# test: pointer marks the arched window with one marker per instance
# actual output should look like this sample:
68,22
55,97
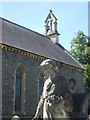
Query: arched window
19,89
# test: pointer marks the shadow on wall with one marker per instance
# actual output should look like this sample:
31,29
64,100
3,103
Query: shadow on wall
89,102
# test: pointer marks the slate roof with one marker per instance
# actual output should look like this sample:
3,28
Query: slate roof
23,38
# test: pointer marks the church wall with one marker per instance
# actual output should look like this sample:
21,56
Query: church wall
80,109
10,61
78,76
0,83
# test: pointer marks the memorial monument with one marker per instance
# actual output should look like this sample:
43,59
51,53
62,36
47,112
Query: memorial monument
56,100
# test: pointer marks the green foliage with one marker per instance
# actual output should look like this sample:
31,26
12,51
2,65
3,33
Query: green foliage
88,74
80,49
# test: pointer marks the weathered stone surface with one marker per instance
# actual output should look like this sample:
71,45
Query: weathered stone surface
15,117
0,83
56,100
10,61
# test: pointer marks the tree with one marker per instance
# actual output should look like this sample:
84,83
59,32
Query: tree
80,49
88,63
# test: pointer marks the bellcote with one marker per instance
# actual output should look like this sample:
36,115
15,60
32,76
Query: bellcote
51,27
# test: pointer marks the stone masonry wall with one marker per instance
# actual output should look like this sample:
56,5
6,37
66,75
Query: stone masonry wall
10,61
78,76
0,83
80,97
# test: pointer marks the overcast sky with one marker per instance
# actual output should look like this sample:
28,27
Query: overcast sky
72,17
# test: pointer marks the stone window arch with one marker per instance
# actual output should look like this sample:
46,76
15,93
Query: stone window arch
72,84
19,89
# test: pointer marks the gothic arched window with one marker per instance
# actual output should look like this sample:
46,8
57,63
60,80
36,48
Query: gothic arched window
19,89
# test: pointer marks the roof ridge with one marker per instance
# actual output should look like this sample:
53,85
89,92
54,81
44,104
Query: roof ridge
23,27
44,47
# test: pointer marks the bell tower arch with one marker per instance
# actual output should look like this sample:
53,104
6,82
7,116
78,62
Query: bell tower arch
51,27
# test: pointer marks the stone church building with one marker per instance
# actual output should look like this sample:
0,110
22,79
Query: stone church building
21,52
